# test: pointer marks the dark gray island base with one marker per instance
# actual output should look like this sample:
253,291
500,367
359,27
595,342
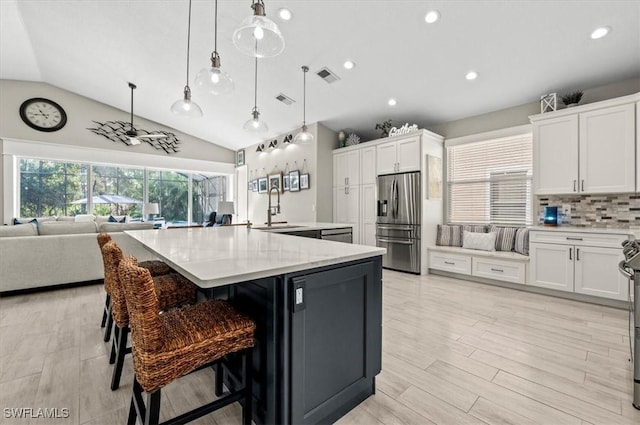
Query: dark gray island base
318,341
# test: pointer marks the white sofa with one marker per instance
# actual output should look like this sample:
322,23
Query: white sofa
42,260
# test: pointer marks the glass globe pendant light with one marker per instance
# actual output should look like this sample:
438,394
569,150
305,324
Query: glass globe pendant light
214,80
254,124
185,107
305,136
258,28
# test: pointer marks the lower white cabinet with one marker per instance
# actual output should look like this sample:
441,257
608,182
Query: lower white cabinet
346,204
491,268
446,261
504,266
574,262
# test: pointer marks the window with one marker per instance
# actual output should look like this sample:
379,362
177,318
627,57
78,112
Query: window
170,189
207,192
489,182
117,190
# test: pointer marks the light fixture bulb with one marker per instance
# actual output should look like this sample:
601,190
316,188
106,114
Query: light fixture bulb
432,17
258,35
185,107
213,79
304,137
285,14
349,65
392,102
600,32
255,124
471,75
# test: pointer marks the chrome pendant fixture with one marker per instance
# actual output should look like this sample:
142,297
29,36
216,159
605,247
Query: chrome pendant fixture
214,80
185,107
259,29
255,124
304,137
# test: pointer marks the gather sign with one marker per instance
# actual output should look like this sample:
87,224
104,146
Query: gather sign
403,130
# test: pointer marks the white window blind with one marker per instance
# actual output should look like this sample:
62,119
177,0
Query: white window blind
489,182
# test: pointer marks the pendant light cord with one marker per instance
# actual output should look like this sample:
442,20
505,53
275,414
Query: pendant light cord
215,38
304,95
255,98
188,42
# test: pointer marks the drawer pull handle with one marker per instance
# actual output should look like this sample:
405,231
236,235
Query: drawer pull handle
450,263
570,251
497,270
578,254
573,239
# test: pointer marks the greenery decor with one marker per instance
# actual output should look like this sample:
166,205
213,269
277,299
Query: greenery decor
384,127
572,98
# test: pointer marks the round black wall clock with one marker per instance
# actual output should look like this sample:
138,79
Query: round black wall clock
43,114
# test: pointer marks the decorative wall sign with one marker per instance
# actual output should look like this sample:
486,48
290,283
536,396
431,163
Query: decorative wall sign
294,181
406,128
116,131
240,157
262,185
434,177
548,103
304,181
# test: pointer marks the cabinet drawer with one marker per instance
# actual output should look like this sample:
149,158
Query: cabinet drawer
500,270
605,240
450,262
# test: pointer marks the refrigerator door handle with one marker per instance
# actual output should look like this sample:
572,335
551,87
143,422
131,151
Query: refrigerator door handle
395,227
401,242
395,199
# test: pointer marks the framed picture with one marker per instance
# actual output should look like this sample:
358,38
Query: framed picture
285,182
250,185
254,185
275,180
434,177
304,181
262,185
294,181
240,157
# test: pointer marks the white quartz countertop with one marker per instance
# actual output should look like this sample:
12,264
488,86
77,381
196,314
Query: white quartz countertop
301,226
583,229
216,256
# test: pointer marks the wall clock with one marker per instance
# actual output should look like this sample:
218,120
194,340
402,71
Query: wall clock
43,114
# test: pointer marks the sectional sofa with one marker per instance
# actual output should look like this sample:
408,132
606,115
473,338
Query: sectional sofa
49,252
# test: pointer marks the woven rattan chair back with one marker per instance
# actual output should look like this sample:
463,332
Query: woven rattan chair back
142,304
112,256
103,238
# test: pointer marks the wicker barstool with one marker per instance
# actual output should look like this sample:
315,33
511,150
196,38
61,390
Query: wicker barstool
157,268
173,290
170,345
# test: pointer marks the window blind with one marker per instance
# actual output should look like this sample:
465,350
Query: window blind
489,182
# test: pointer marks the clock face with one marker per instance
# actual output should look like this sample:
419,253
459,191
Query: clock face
43,114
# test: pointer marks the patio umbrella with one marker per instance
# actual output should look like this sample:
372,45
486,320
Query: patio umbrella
109,199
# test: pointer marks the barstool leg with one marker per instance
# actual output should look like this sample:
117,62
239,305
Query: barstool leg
104,311
153,408
107,331
112,355
121,351
218,379
247,366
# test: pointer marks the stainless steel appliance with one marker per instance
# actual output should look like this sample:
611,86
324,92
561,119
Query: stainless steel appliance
398,222
337,235
630,267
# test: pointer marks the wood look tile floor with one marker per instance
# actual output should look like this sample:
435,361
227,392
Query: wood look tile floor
454,352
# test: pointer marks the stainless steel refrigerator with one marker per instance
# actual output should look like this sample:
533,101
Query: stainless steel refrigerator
398,223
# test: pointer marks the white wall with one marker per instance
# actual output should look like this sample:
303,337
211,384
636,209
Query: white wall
314,204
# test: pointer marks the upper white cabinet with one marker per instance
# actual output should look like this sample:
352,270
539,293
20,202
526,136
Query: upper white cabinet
346,168
589,149
399,156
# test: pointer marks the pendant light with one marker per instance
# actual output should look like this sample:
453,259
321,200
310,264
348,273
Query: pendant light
213,79
258,28
305,136
254,124
185,107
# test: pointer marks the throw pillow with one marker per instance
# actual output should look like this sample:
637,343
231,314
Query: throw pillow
478,228
449,235
505,238
481,241
522,241
113,219
84,217
33,221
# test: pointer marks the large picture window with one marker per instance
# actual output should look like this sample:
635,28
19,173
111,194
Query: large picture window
489,182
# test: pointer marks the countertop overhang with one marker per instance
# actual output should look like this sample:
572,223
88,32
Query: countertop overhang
217,256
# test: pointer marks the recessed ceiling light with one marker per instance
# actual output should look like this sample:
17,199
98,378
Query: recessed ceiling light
432,16
285,14
349,65
392,102
471,75
600,32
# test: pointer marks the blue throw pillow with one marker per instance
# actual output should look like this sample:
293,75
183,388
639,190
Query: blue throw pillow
112,219
32,221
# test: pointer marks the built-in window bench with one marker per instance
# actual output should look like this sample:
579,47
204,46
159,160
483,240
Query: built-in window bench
496,265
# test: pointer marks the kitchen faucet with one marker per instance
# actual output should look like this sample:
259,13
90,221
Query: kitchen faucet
277,208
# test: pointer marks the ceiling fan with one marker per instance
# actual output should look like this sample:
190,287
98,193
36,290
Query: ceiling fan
134,135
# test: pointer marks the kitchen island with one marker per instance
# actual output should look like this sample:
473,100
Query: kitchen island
317,305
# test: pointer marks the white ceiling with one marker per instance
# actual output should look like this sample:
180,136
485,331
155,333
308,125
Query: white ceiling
521,49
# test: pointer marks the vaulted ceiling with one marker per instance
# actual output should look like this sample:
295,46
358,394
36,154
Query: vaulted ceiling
520,50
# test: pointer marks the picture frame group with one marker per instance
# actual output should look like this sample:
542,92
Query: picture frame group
292,181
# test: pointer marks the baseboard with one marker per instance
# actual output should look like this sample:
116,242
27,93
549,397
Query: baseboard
50,287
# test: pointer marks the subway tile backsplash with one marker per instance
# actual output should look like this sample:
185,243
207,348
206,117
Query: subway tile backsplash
602,210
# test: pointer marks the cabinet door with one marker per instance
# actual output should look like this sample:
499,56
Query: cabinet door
555,155
597,272
386,158
368,215
353,210
368,165
408,154
552,266
340,205
607,150
346,168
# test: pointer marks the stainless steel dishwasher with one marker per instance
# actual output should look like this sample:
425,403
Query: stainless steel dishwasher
337,235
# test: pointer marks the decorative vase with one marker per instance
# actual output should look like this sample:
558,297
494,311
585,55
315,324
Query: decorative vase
342,136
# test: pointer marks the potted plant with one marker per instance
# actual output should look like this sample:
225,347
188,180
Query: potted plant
384,127
572,99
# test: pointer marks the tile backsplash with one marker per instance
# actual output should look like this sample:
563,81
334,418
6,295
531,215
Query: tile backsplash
602,210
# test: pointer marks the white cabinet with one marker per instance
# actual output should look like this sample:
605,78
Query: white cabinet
368,214
584,263
399,156
346,203
589,150
346,168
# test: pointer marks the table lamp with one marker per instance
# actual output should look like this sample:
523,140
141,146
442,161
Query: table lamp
151,209
226,209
